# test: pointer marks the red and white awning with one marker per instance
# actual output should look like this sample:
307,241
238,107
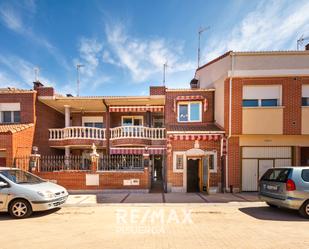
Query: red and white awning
191,98
193,137
136,108
137,151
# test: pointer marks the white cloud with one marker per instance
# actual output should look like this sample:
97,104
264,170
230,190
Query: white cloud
273,25
11,19
143,58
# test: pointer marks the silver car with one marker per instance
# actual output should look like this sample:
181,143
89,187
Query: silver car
22,193
286,187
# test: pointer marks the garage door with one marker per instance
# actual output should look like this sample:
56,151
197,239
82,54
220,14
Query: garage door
257,160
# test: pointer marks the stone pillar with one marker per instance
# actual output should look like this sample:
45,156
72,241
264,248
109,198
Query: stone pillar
67,115
67,157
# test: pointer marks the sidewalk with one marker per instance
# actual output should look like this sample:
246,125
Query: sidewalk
92,199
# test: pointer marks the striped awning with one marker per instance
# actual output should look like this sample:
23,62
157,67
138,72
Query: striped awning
191,98
193,137
137,151
136,108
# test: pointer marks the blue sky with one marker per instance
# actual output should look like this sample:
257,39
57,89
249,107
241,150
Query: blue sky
124,43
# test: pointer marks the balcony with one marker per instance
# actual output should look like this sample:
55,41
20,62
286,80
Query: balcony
76,135
138,135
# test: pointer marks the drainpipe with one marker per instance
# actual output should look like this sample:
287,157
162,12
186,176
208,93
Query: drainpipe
230,118
107,126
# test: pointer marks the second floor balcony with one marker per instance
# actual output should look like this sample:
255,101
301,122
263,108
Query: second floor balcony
138,132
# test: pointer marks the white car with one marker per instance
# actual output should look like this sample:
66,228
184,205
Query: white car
22,193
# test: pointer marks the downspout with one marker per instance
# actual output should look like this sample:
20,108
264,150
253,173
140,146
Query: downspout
230,118
107,126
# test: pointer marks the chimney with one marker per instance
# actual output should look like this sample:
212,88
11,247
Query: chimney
194,83
307,47
37,84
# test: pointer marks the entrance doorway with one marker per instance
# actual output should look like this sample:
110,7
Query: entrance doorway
193,178
157,174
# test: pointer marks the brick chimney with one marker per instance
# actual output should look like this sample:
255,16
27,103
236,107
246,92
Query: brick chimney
307,47
37,84
43,90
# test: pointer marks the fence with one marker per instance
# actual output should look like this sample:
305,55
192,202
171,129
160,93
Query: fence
50,163
120,162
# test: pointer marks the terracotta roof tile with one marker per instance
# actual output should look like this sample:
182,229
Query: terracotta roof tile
191,127
12,128
14,90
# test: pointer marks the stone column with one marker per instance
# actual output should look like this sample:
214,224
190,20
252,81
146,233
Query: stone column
94,159
67,112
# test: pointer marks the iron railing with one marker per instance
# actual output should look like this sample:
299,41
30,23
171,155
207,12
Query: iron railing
121,163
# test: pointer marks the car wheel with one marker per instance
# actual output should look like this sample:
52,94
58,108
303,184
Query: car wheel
271,205
20,208
304,210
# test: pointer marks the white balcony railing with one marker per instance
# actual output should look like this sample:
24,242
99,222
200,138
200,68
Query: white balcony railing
76,132
137,132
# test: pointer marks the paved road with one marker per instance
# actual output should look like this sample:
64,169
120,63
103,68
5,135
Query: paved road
199,225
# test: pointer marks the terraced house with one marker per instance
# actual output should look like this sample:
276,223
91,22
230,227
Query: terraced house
167,140
261,100
244,112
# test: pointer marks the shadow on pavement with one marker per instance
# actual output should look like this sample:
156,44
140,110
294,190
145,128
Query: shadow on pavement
275,214
6,216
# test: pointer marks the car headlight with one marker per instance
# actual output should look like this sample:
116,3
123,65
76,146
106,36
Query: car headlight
46,194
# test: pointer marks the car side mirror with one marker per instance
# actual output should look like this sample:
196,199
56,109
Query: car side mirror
3,185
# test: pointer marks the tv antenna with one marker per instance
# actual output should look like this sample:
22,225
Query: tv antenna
36,74
301,40
78,66
200,31
165,65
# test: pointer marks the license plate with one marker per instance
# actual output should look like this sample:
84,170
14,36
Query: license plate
272,188
58,203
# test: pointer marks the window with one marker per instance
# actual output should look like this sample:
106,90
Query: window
305,101
263,95
305,95
10,116
276,175
250,102
269,102
305,175
132,120
94,124
190,112
211,158
178,161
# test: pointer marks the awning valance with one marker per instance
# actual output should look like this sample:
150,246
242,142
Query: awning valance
194,137
136,108
191,98
137,151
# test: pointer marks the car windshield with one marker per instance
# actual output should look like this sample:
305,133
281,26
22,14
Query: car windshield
20,177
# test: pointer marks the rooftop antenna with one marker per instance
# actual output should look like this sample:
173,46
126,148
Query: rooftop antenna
200,31
78,66
301,40
165,65
36,74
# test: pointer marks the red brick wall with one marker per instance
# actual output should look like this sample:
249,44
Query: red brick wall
27,104
23,142
171,115
157,90
291,100
107,180
234,171
176,179
45,91
6,141
47,118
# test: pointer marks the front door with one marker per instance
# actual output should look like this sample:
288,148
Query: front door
193,175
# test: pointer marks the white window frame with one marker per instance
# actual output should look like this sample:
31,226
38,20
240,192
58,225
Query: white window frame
132,118
215,154
188,103
183,153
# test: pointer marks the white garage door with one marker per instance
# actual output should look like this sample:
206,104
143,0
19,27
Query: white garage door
257,160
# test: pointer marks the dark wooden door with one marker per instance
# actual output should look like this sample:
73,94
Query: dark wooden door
192,175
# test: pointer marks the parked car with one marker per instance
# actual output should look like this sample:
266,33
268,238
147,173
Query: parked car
22,193
286,187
